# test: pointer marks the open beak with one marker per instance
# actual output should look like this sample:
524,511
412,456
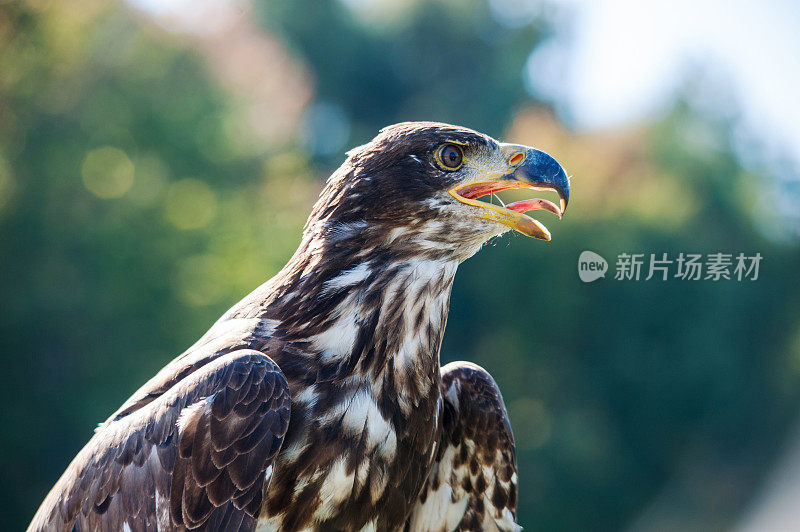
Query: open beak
529,169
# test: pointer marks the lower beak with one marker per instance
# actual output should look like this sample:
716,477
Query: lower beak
536,171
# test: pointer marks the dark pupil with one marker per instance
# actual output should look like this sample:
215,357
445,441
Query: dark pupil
451,156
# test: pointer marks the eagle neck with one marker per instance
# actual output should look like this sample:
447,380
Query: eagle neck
373,315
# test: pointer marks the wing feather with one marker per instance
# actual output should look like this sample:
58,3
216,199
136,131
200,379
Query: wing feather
197,454
473,482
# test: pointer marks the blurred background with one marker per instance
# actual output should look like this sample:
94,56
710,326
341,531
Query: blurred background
158,159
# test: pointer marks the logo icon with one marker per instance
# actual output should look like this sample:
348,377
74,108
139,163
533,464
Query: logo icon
591,266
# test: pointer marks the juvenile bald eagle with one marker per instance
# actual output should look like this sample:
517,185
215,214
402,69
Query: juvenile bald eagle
317,402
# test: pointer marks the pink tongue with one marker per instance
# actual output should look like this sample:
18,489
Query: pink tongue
534,204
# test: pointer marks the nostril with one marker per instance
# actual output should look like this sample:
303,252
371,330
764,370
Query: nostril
516,159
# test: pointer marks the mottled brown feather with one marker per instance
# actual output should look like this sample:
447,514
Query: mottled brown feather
113,481
475,458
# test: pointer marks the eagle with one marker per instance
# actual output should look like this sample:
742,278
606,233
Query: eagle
318,401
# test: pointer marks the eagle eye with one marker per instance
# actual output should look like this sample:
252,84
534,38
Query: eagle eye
450,157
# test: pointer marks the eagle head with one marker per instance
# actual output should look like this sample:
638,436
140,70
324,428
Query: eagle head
419,183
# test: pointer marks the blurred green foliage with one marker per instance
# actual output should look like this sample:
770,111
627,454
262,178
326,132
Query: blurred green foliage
132,214
431,61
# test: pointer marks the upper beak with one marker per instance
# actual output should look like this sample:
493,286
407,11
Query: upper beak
543,173
529,169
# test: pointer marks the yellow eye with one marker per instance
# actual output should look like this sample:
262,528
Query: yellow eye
450,157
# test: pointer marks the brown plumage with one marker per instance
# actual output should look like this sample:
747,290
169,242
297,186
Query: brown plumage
317,402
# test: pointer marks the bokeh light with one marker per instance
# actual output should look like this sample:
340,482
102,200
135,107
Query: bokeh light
190,204
107,172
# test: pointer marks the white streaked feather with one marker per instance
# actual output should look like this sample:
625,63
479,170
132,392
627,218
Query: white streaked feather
369,527
348,278
337,486
439,511
187,412
362,414
337,340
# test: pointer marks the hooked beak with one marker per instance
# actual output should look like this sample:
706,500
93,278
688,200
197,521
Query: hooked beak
529,169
